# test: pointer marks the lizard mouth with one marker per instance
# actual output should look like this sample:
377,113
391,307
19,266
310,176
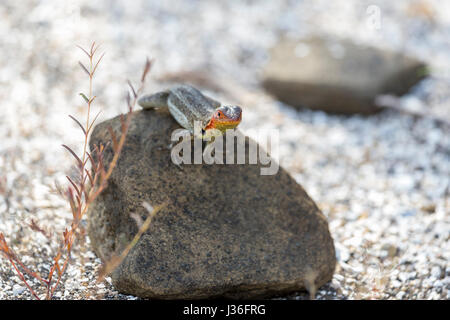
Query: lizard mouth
226,117
231,117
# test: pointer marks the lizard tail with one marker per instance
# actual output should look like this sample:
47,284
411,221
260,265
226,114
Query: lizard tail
157,100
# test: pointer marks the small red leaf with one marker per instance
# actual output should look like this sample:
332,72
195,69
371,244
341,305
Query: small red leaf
148,65
83,50
78,122
132,89
80,163
84,68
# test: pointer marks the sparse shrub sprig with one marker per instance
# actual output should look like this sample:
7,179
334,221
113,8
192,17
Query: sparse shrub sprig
92,178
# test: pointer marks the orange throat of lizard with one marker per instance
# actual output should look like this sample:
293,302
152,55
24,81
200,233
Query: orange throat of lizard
226,117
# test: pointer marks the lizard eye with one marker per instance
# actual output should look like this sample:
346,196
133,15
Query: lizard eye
219,114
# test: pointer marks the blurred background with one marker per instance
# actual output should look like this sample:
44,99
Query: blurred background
360,92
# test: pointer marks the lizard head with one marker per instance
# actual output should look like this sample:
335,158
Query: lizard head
225,117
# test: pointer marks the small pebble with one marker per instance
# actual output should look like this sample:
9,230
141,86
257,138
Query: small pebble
436,272
17,289
400,295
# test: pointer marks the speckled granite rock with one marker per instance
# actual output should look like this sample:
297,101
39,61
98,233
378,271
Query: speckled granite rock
227,231
337,76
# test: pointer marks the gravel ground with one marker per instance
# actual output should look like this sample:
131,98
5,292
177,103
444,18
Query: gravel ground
382,181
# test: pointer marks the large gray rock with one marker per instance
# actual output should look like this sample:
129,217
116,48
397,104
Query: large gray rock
227,230
337,76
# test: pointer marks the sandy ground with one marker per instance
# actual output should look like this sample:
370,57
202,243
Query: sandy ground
382,181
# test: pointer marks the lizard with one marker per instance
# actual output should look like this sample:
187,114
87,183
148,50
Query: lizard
186,104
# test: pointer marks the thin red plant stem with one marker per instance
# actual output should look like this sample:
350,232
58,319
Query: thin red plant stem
80,212
22,277
95,192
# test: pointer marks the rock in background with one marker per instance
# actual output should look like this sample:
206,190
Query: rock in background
337,76
226,231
